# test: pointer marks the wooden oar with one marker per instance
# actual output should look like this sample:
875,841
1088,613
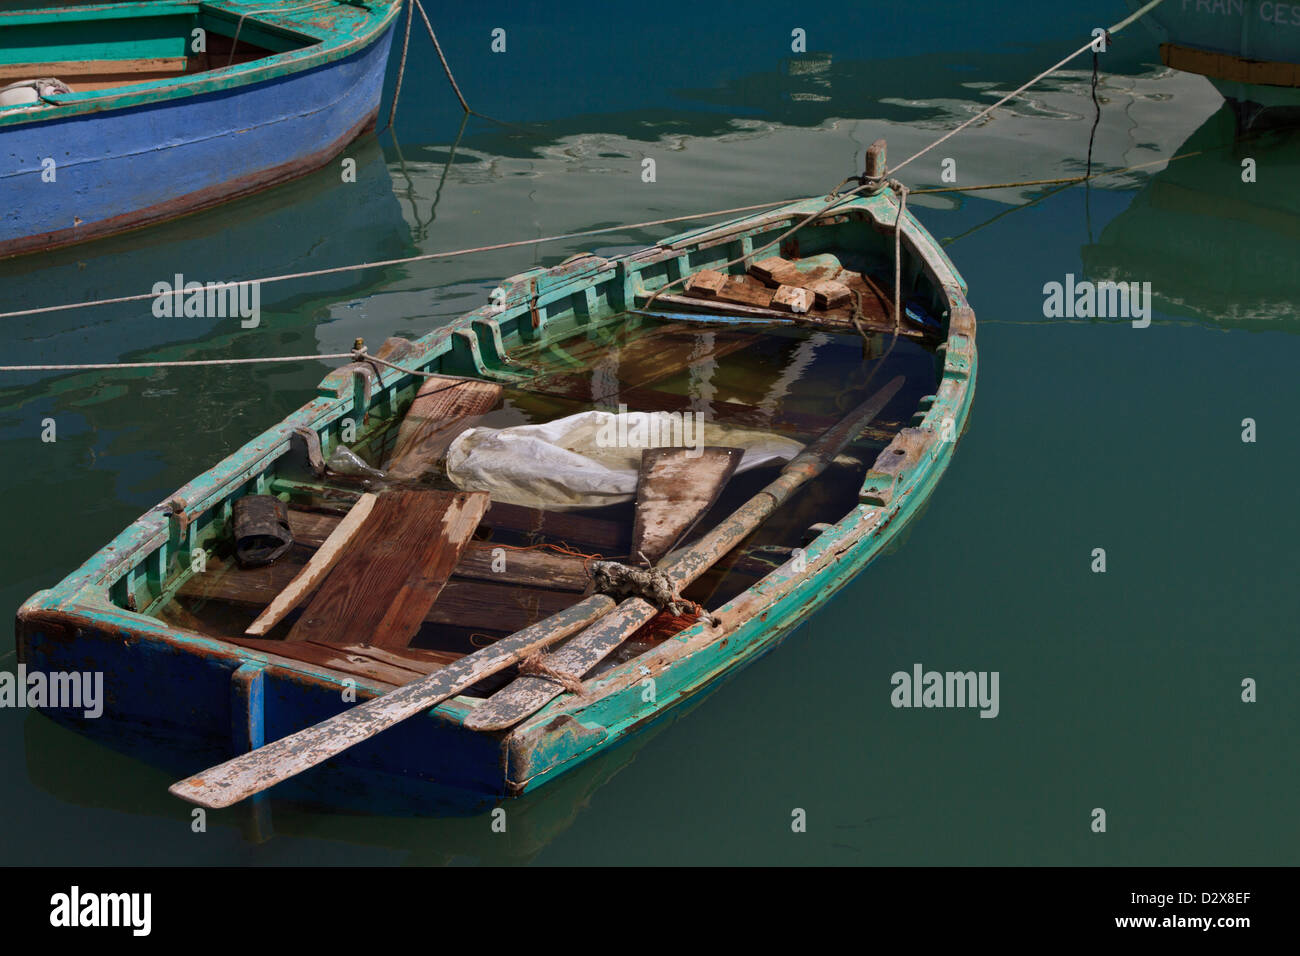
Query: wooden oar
255,771
526,695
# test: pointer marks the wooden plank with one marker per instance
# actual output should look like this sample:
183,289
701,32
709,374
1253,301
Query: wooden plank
477,604
443,408
789,298
479,560
328,555
357,660
591,535
706,282
646,360
674,487
385,585
829,294
121,71
743,292
775,270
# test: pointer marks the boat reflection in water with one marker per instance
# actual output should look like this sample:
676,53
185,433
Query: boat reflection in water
1217,248
317,222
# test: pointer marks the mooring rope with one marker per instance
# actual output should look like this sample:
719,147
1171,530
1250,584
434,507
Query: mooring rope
455,87
1090,45
252,13
405,260
173,364
401,67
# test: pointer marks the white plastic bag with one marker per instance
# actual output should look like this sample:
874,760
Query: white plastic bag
592,458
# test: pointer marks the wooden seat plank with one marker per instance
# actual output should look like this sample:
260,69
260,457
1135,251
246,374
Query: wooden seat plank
480,605
480,559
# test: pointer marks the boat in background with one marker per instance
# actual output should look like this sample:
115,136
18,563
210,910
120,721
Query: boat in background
1217,250
174,106
1249,50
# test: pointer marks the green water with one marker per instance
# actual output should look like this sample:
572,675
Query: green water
1119,690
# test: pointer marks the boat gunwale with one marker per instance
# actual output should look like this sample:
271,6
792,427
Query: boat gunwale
82,597
324,48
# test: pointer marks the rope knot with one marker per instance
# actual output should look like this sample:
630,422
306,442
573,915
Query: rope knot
535,666
650,584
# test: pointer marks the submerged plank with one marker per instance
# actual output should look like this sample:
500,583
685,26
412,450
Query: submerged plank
674,488
645,360
480,605
443,408
383,588
481,560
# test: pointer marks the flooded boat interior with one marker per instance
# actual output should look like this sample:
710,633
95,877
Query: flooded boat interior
106,53
722,355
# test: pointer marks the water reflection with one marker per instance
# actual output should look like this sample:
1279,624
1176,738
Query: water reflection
1215,248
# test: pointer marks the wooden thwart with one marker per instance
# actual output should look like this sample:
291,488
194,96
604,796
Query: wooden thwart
481,560
675,487
381,590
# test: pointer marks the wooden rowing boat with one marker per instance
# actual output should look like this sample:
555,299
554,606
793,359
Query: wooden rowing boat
114,116
438,590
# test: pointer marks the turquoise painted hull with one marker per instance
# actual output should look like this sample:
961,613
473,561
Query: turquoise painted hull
210,699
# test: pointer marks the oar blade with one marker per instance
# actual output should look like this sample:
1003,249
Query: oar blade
260,769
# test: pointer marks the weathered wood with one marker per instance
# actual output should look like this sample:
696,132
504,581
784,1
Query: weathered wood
305,581
828,293
706,282
645,360
357,660
776,271
741,292
584,533
385,585
527,694
480,559
675,487
484,605
260,769
789,298
591,535
443,408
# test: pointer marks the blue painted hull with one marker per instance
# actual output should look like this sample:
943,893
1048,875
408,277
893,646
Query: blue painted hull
130,167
